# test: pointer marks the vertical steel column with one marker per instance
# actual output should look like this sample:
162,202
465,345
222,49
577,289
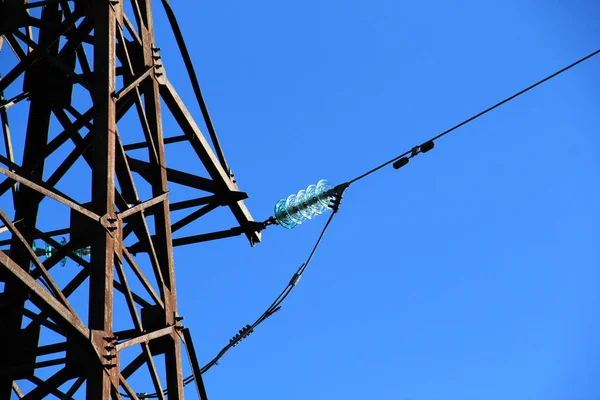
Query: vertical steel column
162,219
100,321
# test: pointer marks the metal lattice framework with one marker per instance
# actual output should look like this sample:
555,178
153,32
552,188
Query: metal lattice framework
84,67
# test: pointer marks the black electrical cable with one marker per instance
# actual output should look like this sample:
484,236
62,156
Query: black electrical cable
275,305
426,146
479,114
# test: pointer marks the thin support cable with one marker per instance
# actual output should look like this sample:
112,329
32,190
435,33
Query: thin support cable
272,309
479,114
276,305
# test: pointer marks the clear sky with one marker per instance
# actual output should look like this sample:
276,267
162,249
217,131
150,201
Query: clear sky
473,272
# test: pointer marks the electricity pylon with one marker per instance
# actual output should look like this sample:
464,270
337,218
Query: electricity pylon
83,71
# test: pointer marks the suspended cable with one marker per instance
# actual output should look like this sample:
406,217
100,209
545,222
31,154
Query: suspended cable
416,150
398,162
275,305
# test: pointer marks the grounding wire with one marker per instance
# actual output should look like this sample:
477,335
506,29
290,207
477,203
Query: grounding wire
506,100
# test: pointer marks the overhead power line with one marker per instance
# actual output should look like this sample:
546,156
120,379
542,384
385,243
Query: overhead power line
398,162
272,309
416,150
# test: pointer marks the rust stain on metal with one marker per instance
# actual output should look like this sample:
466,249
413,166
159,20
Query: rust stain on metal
122,69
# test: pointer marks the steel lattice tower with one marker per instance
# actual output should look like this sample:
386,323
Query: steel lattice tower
120,206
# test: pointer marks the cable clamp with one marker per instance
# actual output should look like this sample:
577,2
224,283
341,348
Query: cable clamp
270,221
243,333
296,278
336,194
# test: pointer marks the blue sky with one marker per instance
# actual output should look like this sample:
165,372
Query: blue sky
472,273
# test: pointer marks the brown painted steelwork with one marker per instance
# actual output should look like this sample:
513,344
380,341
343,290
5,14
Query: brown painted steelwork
85,66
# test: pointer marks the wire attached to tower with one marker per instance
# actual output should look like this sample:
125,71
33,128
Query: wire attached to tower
308,203
335,195
316,199
430,143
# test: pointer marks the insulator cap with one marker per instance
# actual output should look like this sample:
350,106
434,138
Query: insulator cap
425,147
400,163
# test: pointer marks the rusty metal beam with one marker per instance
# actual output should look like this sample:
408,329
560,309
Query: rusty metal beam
35,55
137,97
134,84
50,385
193,216
221,199
137,298
39,319
70,130
100,319
204,237
75,387
16,387
61,252
189,345
47,191
205,153
55,61
153,371
130,392
68,162
129,298
128,188
48,63
183,178
145,338
142,278
76,282
51,348
158,271
143,145
37,365
133,365
49,281
195,85
40,235
15,46
131,29
44,300
162,217
6,104
143,206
